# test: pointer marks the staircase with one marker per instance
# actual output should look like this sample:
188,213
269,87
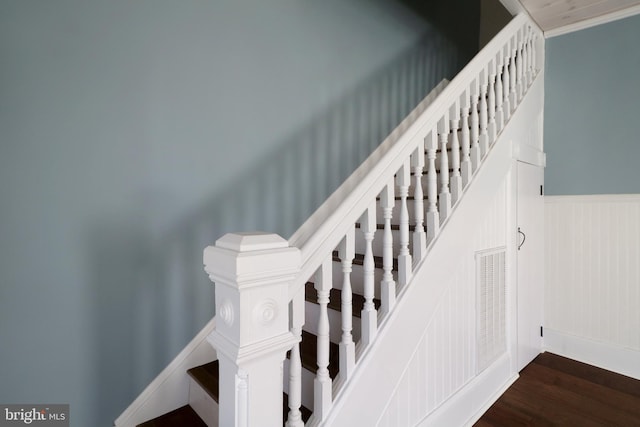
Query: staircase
206,377
325,328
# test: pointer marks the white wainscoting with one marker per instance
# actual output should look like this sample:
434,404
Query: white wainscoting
445,359
592,280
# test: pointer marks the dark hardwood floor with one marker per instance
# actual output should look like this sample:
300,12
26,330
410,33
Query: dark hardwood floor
556,391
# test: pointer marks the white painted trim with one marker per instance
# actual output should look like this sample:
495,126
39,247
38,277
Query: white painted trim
594,198
467,406
416,304
380,370
513,6
324,229
603,355
592,22
170,389
527,154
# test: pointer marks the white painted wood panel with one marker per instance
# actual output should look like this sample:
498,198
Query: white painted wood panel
445,359
556,14
431,380
592,257
530,264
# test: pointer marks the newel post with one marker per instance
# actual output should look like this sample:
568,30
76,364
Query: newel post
252,274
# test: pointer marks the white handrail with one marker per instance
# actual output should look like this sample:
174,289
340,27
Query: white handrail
254,271
324,229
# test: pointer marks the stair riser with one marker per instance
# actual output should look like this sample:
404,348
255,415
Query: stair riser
203,404
312,313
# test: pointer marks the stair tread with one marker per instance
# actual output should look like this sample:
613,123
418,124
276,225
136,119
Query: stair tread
335,299
183,417
208,376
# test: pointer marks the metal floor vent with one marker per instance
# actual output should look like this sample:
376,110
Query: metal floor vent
491,336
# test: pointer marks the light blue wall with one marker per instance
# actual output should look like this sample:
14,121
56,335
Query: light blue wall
134,133
592,110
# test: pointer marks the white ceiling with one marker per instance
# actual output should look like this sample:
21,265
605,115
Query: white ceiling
561,16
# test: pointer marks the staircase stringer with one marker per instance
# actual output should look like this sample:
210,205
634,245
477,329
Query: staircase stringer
387,359
366,399
170,389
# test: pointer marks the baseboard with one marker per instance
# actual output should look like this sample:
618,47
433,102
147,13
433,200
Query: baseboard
607,356
466,406
170,389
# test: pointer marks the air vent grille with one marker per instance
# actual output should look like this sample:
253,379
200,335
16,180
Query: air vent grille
490,307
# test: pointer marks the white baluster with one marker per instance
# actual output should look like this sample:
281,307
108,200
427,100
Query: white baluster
388,285
499,93
506,81
456,179
369,314
513,76
346,252
484,136
519,65
403,178
475,146
534,55
433,217
491,98
419,236
322,383
465,165
527,56
444,197
295,363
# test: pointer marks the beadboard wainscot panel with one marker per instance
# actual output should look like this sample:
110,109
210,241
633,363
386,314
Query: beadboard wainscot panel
445,359
592,280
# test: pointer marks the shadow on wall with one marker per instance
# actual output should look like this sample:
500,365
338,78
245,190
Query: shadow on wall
457,19
162,290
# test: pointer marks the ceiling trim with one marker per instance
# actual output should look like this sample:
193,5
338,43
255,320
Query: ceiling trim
592,22
513,6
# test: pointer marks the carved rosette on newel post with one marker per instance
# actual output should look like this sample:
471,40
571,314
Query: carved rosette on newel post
252,272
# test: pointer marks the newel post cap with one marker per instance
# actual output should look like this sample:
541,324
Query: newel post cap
252,272
247,242
251,259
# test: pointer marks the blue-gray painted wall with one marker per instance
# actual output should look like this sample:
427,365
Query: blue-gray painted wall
592,110
135,133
